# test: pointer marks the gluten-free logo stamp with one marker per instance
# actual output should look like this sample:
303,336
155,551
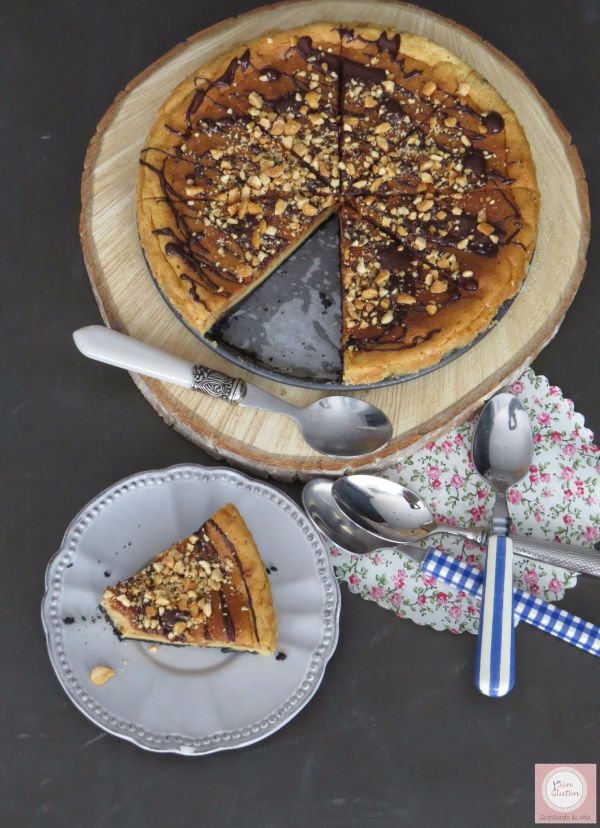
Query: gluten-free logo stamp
565,794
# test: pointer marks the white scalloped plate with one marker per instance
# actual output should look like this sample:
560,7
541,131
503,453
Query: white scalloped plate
190,701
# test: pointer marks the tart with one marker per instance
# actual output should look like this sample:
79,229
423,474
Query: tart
208,590
426,165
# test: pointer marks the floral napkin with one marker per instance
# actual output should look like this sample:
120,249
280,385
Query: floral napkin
558,500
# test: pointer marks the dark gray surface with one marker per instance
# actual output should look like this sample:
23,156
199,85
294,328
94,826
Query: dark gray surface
397,734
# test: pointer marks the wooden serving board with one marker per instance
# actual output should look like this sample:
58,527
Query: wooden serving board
419,409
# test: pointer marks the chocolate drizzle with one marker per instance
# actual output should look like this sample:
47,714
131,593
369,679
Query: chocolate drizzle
493,122
474,161
353,70
392,109
286,103
305,47
206,550
389,340
226,79
227,619
393,259
240,568
382,44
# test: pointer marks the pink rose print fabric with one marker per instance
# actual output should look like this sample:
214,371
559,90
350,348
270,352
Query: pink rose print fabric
558,500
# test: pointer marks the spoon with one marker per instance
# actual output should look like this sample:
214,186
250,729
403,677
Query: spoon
391,511
342,512
502,454
338,426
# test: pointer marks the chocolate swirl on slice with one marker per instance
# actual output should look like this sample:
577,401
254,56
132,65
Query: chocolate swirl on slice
240,569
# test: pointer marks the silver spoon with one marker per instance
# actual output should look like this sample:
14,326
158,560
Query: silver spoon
401,532
391,511
502,454
338,426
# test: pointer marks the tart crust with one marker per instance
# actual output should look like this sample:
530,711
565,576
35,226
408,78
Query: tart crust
208,590
412,147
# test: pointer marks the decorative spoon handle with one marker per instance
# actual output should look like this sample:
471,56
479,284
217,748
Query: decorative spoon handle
567,556
575,558
547,617
217,384
114,348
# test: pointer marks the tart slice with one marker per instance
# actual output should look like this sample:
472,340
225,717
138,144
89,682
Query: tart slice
225,160
297,98
380,111
482,237
400,313
286,82
416,117
208,590
206,255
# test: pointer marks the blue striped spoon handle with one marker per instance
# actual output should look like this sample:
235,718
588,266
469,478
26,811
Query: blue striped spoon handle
547,617
495,657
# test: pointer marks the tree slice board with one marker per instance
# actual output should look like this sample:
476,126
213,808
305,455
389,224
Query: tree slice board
419,409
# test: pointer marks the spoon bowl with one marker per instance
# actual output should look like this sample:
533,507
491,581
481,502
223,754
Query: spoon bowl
339,529
343,426
329,519
503,442
391,511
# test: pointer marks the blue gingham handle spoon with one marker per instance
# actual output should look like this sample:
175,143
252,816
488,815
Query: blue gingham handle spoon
502,454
